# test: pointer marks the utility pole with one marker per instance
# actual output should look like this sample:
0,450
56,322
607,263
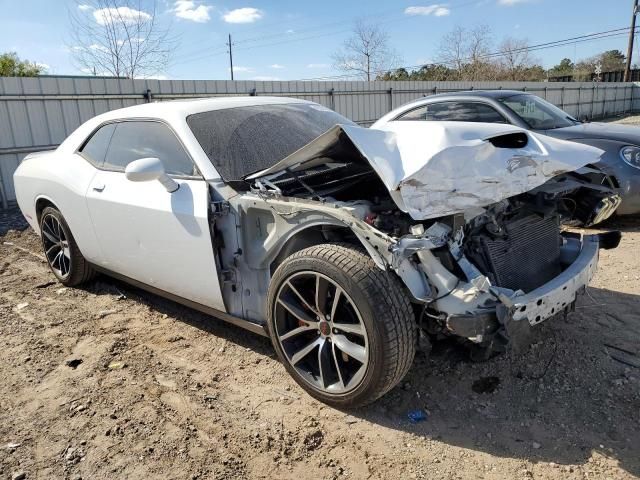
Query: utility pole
632,32
231,54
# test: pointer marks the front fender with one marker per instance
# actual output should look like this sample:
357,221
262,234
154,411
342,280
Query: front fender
627,177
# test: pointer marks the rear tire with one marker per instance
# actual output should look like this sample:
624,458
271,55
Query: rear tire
61,250
350,354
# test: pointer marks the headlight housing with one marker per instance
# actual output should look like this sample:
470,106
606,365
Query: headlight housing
631,155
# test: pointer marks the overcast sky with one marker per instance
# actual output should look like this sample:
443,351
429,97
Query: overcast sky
283,40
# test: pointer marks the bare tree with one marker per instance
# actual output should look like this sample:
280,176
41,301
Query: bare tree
467,52
515,60
367,52
453,49
120,38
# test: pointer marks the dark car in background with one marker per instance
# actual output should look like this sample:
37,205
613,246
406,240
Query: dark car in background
621,143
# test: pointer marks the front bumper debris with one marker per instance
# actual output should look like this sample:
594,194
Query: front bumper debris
555,297
514,317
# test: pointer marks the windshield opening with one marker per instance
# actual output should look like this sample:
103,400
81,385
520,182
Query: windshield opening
538,113
244,140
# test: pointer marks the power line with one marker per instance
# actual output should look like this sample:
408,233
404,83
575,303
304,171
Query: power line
381,13
542,46
295,37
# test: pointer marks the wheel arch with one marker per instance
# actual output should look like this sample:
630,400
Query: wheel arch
315,234
42,202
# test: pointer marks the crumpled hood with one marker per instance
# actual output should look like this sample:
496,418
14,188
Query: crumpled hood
434,169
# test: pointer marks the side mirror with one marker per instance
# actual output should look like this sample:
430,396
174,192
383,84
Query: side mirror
147,169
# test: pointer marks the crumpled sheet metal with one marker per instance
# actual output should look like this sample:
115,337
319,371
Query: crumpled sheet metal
451,167
434,169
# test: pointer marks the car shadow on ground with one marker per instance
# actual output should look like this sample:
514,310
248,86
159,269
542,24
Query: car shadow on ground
626,223
574,391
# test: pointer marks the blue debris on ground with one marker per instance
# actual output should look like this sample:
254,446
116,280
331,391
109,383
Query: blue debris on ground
417,416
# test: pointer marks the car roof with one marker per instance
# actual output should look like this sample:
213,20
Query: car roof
482,93
465,94
184,108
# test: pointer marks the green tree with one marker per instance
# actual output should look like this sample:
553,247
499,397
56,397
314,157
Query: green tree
430,72
612,60
565,67
12,66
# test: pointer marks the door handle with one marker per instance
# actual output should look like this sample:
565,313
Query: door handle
99,188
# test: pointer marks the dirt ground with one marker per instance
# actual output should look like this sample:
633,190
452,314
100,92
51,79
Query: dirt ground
626,120
111,382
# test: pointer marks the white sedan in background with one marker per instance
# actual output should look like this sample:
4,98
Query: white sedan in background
343,244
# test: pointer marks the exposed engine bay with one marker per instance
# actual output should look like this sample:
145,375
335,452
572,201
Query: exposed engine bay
500,262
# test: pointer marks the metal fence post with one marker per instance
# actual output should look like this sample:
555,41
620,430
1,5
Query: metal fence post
593,97
624,100
631,109
390,91
148,96
579,101
615,99
3,196
562,97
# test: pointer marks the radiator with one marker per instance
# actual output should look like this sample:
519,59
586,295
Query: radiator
527,257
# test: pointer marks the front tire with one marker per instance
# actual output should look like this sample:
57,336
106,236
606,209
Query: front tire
60,249
343,328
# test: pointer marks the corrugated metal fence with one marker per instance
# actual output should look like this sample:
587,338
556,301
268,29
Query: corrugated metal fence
38,113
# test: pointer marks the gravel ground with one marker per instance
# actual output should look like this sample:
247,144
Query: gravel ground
107,382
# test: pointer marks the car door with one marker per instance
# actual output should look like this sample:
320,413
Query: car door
455,111
146,233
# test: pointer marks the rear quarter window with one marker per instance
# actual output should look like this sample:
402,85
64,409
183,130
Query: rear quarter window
95,148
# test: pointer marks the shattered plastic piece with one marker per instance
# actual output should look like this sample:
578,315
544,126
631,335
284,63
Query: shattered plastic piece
417,416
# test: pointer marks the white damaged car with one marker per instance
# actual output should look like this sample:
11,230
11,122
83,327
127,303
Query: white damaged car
343,244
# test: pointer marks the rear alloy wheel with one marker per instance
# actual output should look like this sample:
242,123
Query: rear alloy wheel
60,249
343,328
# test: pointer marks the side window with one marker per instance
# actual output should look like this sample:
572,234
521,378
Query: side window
95,149
455,112
135,140
488,114
419,113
